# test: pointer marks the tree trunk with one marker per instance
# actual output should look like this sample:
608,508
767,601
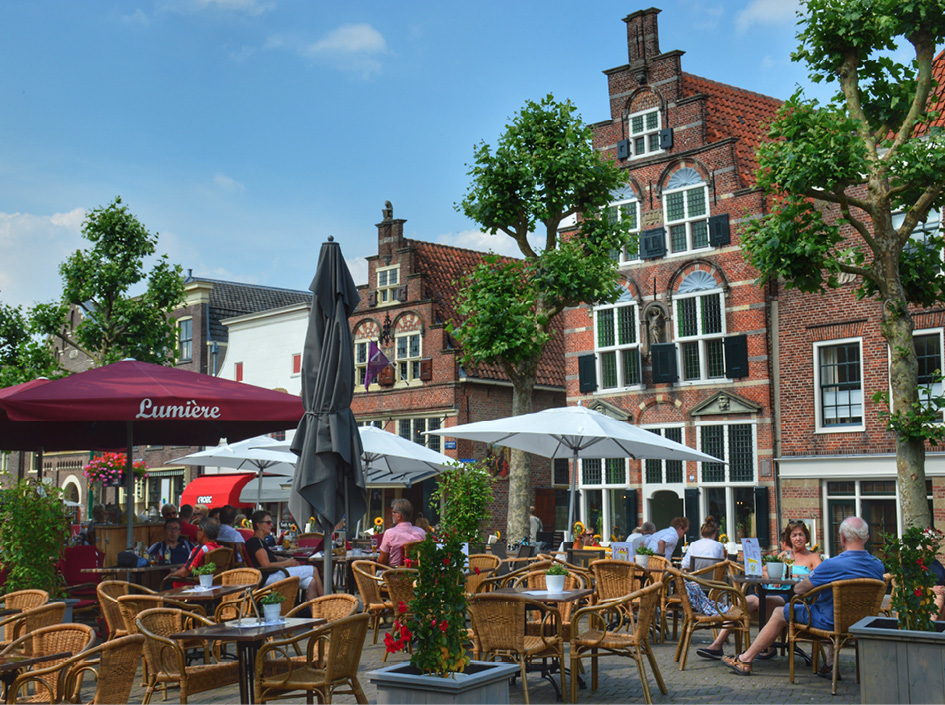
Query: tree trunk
897,328
523,386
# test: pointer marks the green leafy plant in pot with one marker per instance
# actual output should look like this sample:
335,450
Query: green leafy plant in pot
35,530
271,604
774,566
643,554
437,628
555,577
204,574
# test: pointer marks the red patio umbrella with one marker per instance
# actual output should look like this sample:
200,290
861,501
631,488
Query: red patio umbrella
129,402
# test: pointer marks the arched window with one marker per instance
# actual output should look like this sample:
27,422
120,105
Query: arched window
686,211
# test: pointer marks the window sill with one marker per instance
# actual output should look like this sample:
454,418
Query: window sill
684,253
840,429
619,390
704,382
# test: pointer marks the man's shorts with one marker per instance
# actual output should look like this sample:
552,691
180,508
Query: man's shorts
803,616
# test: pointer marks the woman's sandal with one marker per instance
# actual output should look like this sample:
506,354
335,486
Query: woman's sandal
767,655
737,665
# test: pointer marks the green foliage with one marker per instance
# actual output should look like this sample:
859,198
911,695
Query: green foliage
908,560
557,569
205,569
465,490
23,354
271,598
771,559
644,551
35,530
437,629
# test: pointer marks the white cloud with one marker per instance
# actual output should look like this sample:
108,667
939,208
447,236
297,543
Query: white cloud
137,18
225,183
500,243
358,267
356,48
766,12
31,249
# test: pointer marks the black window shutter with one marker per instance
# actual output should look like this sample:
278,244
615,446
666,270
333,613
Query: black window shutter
652,243
666,138
736,356
761,517
633,503
587,373
664,362
372,298
623,149
692,513
719,233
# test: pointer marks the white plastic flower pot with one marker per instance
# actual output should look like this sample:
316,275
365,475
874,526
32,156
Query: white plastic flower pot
775,570
555,583
206,581
272,613
642,561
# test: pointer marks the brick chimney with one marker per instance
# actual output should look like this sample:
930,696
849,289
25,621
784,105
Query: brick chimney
643,36
390,232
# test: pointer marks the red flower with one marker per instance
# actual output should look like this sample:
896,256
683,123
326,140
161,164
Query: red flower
918,592
401,607
433,623
476,569
446,561
443,626
408,562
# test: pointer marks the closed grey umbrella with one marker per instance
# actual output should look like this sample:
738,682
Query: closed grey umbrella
329,481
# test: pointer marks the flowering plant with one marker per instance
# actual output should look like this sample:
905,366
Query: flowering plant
644,551
110,468
723,538
908,559
436,626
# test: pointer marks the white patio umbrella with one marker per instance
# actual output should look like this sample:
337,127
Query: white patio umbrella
260,454
574,432
392,461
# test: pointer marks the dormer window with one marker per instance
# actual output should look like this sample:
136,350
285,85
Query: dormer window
643,130
388,280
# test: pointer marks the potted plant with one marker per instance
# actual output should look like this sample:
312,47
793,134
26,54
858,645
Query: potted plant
642,556
895,652
439,669
774,566
272,606
204,574
109,469
555,576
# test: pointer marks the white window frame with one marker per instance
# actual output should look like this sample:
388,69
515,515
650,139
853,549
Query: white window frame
687,220
727,484
940,332
180,340
420,424
618,210
663,485
360,367
605,489
647,133
818,397
701,338
408,367
618,349
387,292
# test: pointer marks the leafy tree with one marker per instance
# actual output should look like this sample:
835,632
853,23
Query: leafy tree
837,173
99,280
23,355
465,489
544,170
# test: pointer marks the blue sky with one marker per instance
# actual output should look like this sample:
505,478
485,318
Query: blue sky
247,131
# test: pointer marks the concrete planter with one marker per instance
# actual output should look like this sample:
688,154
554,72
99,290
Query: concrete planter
483,682
899,665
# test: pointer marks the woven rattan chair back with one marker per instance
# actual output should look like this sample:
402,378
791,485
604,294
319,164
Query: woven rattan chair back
221,557
29,621
616,578
329,607
481,566
240,576
162,654
400,588
345,643
365,577
69,639
236,605
108,592
287,587
131,606
499,622
22,600
114,665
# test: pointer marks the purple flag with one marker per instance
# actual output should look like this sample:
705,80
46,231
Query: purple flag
377,361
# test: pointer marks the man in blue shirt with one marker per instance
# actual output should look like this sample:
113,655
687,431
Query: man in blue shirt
853,562
174,548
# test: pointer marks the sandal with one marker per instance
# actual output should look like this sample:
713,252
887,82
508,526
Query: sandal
714,654
767,655
737,665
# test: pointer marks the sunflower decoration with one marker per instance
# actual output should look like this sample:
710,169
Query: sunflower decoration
723,538
293,527
498,534
578,529
378,523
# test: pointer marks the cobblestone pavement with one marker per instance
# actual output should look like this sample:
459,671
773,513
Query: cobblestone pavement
702,682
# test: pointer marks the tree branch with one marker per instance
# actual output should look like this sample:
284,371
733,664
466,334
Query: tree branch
858,225
850,85
839,198
924,53
928,197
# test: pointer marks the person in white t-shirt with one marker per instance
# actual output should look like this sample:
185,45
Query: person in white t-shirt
706,547
664,541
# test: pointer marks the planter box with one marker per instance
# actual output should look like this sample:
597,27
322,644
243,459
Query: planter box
899,665
483,682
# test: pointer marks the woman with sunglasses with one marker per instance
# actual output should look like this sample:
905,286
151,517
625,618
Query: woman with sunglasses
796,536
262,557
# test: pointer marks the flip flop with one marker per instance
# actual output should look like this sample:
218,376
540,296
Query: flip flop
714,654
737,665
767,655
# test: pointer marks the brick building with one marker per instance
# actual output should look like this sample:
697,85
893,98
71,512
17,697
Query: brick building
836,456
686,350
405,306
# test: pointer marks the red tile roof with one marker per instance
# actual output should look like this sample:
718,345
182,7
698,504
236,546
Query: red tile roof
734,112
443,268
937,101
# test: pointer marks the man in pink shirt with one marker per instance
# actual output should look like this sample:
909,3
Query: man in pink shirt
402,532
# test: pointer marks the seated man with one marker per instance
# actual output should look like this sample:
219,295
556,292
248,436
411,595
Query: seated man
174,548
227,532
853,562
207,533
402,532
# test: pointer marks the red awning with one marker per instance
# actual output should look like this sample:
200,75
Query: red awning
217,490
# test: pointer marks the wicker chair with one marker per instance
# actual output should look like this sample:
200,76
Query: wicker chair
287,587
108,592
131,606
238,576
535,580
852,601
481,566
27,622
367,576
166,659
341,641
330,607
732,605
113,665
603,635
498,621
69,639
614,579
234,605
20,600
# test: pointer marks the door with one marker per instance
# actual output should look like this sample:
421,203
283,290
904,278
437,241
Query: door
665,506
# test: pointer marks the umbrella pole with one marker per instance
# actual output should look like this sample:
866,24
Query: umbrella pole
259,487
572,498
129,488
326,569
